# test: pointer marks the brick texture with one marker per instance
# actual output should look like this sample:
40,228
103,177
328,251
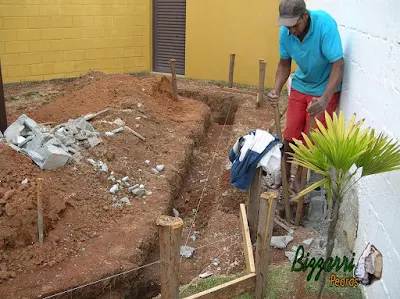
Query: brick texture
371,89
45,39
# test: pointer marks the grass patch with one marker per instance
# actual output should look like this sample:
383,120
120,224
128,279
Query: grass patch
278,283
312,287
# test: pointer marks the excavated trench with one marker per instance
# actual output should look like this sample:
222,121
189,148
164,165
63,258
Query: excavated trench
144,283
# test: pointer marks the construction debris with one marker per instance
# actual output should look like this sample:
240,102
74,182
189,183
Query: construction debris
281,241
187,252
51,149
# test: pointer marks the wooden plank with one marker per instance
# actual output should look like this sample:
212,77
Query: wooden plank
248,248
173,74
285,184
264,233
170,229
253,204
231,69
235,90
261,83
230,289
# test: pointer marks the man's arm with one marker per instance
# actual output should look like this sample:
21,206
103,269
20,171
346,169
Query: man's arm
317,107
282,74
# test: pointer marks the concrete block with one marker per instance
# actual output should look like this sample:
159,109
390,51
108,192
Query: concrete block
14,130
35,143
55,157
36,157
93,141
281,241
187,251
32,125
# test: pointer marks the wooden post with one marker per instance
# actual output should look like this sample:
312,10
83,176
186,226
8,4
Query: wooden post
231,69
170,229
261,83
254,204
285,187
264,234
39,182
173,72
3,113
248,248
300,202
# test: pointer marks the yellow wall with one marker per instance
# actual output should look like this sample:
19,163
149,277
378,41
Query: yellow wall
45,39
217,28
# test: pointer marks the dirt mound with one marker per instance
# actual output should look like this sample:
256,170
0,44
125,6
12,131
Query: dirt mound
81,222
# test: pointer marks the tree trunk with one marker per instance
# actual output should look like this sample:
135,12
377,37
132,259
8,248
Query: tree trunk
336,200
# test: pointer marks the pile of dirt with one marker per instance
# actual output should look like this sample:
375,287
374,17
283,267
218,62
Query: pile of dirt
81,222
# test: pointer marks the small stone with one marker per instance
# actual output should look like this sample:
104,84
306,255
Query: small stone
141,186
148,193
160,167
187,251
290,255
281,241
138,118
155,171
114,188
104,167
175,212
138,192
116,131
203,181
216,262
83,249
24,182
125,179
106,208
119,122
126,201
137,126
109,134
308,241
140,104
205,275
117,204
12,274
226,193
147,162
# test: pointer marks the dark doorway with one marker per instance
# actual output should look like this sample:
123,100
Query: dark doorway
169,31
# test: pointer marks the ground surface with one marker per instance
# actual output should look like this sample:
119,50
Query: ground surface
88,239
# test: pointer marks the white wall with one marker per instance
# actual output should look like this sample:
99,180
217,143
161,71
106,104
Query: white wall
370,31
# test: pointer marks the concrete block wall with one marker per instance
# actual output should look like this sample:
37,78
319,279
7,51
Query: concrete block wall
370,32
45,39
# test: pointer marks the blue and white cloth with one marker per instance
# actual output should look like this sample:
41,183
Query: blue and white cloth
257,149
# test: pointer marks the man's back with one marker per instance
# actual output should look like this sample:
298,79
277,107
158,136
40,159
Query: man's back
314,55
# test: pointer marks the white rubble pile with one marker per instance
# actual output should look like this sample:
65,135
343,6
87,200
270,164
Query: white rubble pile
51,149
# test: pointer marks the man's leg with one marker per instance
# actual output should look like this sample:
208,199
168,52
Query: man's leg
295,121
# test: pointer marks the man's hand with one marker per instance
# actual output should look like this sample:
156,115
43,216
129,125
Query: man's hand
273,97
317,106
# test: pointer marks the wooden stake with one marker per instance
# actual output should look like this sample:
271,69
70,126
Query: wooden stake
135,133
93,115
170,229
231,69
261,83
254,204
248,248
3,113
39,182
264,234
300,201
285,187
173,72
235,90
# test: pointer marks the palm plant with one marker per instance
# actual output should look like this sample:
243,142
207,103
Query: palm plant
341,152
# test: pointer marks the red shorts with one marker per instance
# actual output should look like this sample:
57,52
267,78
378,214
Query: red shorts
297,118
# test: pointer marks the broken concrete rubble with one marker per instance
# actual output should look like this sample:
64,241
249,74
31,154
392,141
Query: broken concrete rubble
51,149
187,251
281,241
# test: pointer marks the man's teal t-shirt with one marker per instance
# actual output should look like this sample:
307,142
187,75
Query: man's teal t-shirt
314,55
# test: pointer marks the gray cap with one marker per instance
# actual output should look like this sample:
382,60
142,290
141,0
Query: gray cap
290,12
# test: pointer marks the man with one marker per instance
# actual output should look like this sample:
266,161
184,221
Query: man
312,40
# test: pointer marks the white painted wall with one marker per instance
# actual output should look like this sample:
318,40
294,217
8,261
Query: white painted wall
370,31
